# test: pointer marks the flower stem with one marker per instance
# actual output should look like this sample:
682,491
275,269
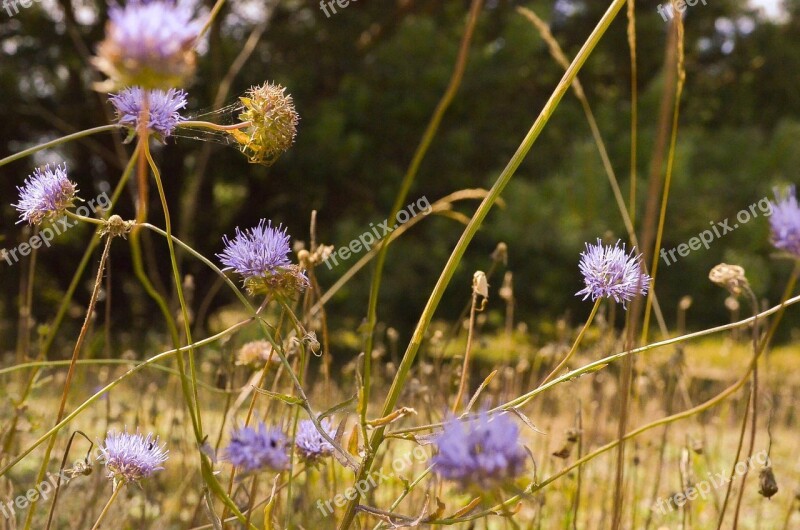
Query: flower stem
111,499
461,247
572,350
71,372
191,124
405,187
57,141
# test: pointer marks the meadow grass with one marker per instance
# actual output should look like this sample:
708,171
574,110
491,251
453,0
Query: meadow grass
616,415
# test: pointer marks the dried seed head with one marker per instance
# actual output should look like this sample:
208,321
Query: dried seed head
730,277
272,124
500,253
573,435
116,227
507,290
767,485
685,303
256,353
480,286
564,452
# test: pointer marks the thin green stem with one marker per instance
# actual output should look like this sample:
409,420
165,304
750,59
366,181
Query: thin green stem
83,406
195,124
71,372
84,219
472,228
405,187
575,345
194,406
57,141
111,499
602,363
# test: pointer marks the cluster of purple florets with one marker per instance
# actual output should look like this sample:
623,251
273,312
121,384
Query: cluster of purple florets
162,109
132,457
785,222
46,193
611,272
482,452
259,448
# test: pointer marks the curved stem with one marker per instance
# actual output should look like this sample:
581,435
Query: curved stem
194,406
57,141
84,219
83,406
602,363
575,345
461,247
70,373
405,187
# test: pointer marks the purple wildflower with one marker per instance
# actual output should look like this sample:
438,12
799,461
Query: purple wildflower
149,43
163,107
132,457
611,272
310,443
261,256
484,451
46,193
785,222
256,251
253,449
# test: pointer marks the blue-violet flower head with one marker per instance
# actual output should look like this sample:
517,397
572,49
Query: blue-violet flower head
261,256
255,449
149,43
310,443
46,194
132,457
163,109
611,272
785,222
484,451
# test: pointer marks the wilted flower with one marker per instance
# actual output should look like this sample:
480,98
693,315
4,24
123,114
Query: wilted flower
272,123
611,272
253,450
785,222
261,256
767,485
46,193
310,443
162,109
256,352
132,457
730,277
484,452
149,43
